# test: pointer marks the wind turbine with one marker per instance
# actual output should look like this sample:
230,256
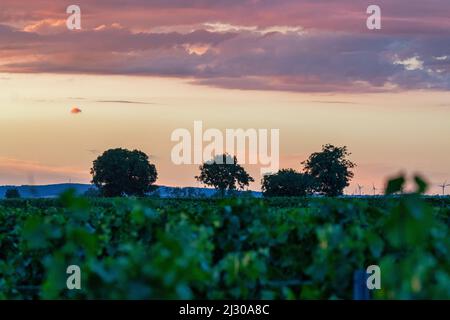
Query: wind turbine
443,186
374,189
360,189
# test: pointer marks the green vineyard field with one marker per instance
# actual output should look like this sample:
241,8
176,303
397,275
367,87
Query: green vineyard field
293,248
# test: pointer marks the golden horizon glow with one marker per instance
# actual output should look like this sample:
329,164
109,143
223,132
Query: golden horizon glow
43,142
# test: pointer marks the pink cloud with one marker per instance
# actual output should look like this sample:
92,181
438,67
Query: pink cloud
247,44
338,15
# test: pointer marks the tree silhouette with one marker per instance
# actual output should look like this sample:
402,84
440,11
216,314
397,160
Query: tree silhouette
224,174
331,169
287,183
12,194
119,172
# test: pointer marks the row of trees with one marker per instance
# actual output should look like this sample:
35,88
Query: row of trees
327,172
119,172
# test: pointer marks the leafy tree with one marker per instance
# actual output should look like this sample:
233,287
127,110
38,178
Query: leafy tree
12,194
287,183
224,174
331,169
119,172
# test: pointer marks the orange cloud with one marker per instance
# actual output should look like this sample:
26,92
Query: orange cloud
46,26
75,110
17,171
32,166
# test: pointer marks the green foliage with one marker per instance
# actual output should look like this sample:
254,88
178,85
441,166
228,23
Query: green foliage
224,174
287,183
12,194
275,248
395,185
119,172
331,169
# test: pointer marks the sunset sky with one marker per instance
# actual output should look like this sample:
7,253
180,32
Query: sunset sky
139,69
